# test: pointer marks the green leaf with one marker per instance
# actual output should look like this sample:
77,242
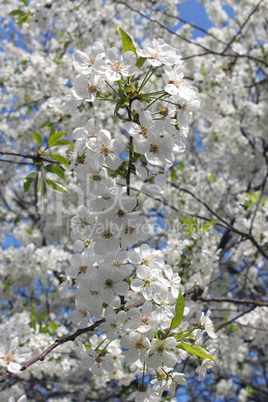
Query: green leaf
179,309
182,335
55,137
174,175
250,390
17,12
22,18
64,142
66,43
247,204
46,123
60,188
52,130
140,62
190,223
117,107
207,225
41,317
264,200
42,188
30,229
53,325
7,284
58,170
196,350
24,2
128,44
212,178
28,181
60,159
37,137
254,197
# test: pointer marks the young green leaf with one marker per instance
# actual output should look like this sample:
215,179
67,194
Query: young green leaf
28,181
140,62
42,188
46,123
128,44
17,12
196,350
254,197
55,137
182,335
52,130
22,18
37,137
207,225
60,188
58,170
179,309
63,142
60,159
53,325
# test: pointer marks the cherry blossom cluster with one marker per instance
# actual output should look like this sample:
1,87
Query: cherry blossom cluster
117,276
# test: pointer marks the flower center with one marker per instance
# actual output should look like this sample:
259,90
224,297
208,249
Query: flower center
109,283
116,66
154,148
160,349
144,321
107,234
139,344
9,357
82,269
129,230
105,150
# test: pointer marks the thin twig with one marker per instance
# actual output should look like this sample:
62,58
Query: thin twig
242,26
228,225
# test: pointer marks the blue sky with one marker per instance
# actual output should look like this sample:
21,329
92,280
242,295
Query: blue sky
195,13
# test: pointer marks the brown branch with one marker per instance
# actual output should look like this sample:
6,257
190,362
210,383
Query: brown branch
41,357
163,201
57,342
242,26
197,291
231,300
227,224
207,51
220,326
255,84
130,152
28,156
189,23
17,163
163,26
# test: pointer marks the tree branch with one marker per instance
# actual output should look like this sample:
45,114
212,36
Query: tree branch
28,156
242,26
41,357
228,225
197,291
207,51
232,300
